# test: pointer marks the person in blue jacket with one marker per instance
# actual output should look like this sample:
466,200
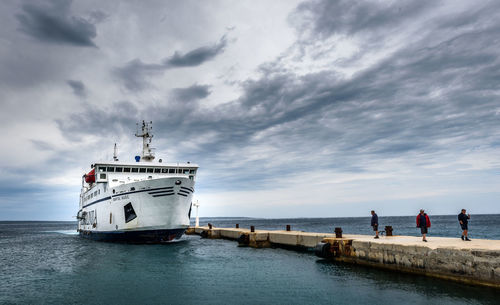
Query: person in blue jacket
463,219
375,223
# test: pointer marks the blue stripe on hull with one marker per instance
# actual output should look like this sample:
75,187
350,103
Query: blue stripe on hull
136,237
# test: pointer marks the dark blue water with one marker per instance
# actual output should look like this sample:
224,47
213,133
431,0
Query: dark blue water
42,263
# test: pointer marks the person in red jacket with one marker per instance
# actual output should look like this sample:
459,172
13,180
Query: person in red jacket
423,222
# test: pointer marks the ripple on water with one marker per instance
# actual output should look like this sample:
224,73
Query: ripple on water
44,265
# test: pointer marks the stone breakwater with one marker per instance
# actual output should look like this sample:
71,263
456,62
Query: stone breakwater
476,262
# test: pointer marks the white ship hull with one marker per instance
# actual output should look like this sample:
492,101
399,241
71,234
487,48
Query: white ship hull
154,210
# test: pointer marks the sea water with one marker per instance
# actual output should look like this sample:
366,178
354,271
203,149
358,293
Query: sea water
47,263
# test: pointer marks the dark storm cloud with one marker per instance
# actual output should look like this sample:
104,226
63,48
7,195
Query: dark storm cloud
52,23
326,17
113,120
194,92
439,87
197,56
78,88
135,74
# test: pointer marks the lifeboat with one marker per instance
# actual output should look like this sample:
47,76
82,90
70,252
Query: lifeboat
90,177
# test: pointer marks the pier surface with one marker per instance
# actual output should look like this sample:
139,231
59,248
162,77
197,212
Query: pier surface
474,262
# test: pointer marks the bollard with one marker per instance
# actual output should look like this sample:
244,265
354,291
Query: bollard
288,227
210,226
237,226
338,232
252,229
388,230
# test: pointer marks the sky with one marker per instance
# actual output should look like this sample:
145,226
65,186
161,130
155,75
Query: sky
290,108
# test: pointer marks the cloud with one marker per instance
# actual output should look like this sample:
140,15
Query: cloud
194,92
405,105
395,97
100,119
78,88
97,16
324,18
197,56
53,23
136,74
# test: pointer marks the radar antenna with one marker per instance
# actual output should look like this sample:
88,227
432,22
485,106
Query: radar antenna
146,135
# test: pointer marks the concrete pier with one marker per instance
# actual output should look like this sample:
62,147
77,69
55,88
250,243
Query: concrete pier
475,262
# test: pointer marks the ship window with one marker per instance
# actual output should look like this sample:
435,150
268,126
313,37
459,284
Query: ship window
119,169
95,193
191,177
102,176
164,170
132,188
126,169
102,169
186,171
98,192
111,169
193,171
142,170
150,170
135,169
91,195
171,171
157,170
129,212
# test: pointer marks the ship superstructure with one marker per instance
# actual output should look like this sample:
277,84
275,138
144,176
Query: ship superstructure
142,201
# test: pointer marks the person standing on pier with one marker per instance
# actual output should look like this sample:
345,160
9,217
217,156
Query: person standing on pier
463,219
423,222
375,223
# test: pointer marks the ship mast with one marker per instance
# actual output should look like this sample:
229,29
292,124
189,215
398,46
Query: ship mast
115,156
197,205
146,135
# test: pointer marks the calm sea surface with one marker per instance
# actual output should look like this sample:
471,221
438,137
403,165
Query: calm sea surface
46,263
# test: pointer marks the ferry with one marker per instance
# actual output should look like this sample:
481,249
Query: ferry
143,201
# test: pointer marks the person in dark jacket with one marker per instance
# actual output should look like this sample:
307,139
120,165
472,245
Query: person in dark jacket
423,222
375,223
463,219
